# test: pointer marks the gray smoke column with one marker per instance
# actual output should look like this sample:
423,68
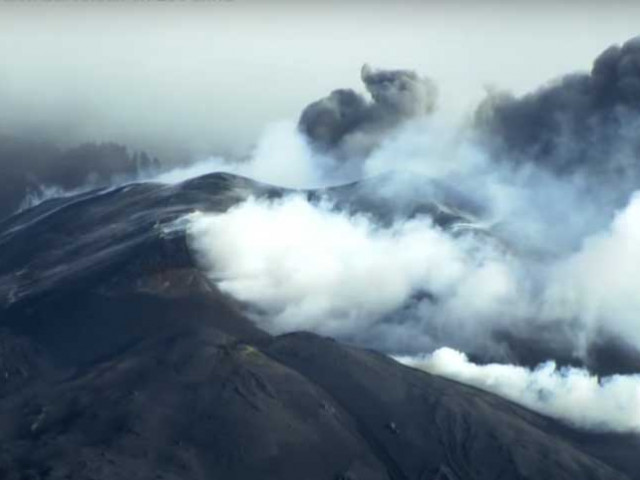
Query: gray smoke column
347,124
575,123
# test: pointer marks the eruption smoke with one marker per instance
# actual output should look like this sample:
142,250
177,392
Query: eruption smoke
569,394
548,259
348,125
519,229
575,123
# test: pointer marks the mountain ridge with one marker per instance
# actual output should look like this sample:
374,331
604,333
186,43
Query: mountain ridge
120,359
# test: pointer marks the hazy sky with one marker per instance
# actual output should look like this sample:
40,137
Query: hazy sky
199,76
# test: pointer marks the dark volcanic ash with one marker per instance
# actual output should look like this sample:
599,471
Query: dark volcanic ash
576,122
347,124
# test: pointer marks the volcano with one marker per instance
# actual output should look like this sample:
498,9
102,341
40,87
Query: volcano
120,359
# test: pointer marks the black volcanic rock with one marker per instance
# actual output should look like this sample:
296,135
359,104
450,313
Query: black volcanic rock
119,360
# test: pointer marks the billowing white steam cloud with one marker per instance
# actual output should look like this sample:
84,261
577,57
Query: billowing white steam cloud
600,284
569,394
412,286
308,267
281,157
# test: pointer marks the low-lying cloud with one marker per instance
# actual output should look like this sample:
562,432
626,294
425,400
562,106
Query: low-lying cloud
572,395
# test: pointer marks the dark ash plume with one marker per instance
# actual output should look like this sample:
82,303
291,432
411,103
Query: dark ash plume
347,124
581,120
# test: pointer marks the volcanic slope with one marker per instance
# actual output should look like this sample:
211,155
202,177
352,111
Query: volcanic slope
120,360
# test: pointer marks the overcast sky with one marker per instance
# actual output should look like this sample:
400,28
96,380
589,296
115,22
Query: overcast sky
204,76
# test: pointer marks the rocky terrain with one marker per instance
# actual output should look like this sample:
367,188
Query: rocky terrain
119,359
